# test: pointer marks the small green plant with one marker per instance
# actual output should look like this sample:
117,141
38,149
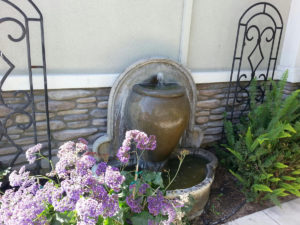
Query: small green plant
3,174
264,149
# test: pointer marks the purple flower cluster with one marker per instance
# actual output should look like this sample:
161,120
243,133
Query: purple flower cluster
113,178
31,153
158,204
90,194
134,204
77,180
141,140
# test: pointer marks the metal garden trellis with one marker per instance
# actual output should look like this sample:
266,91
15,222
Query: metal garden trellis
250,32
29,96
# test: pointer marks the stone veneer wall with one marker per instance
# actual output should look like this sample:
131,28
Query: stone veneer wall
78,113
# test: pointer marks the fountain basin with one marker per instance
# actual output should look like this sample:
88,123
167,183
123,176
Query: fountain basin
199,192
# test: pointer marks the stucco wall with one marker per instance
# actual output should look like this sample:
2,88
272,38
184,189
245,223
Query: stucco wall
105,36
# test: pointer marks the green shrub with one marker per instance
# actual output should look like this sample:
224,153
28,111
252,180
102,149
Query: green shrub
264,149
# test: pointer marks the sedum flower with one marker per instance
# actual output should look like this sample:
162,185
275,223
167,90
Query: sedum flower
87,210
31,153
113,178
134,204
141,140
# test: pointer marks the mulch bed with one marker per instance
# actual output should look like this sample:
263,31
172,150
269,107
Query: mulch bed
225,198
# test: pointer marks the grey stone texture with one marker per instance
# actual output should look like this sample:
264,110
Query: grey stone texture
69,94
83,113
72,134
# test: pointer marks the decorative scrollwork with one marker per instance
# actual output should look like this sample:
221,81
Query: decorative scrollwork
258,35
25,108
23,30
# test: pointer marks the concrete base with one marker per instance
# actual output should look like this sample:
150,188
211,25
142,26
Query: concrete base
287,214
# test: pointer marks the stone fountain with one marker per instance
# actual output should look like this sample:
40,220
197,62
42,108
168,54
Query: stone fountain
158,96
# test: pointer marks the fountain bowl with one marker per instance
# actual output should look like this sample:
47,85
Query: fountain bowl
199,192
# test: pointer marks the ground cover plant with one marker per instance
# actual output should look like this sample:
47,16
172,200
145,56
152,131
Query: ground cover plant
79,191
264,149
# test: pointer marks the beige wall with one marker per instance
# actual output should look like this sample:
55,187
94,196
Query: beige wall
105,36
213,31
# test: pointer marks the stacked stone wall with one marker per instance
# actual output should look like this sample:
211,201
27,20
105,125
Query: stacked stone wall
78,113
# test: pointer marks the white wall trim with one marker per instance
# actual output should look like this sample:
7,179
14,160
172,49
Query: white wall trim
69,81
185,31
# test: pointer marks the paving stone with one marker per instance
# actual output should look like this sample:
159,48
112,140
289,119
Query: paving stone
218,110
219,123
209,104
22,118
212,86
103,92
202,97
202,113
287,214
14,136
201,120
86,105
76,117
29,140
214,130
66,135
258,218
14,130
209,92
7,150
4,111
55,106
78,124
74,111
38,132
102,98
9,122
8,158
69,94
99,113
86,100
54,125
99,122
216,117
102,105
210,138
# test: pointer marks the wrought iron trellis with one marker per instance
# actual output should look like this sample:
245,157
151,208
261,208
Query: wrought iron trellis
249,32
29,95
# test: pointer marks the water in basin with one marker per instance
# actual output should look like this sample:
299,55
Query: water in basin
191,173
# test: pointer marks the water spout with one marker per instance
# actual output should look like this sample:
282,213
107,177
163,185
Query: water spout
160,79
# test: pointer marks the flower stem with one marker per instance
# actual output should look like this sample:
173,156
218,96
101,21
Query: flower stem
180,163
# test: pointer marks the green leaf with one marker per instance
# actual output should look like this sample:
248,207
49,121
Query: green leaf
64,218
265,176
289,128
275,179
290,189
238,177
296,172
280,192
141,218
158,180
235,153
280,165
288,178
248,138
261,187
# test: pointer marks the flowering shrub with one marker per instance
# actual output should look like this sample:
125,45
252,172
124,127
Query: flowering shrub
77,191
